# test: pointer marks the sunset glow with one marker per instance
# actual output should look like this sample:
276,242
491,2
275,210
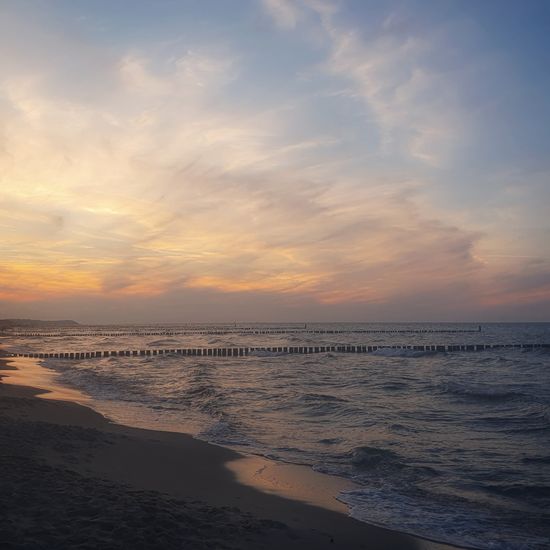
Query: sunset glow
335,158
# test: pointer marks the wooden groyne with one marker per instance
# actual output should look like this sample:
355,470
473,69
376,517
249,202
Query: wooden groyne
245,351
241,332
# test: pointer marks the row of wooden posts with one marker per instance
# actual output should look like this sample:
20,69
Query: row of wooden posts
236,331
236,352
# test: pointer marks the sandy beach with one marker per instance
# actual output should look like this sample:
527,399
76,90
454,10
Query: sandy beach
69,478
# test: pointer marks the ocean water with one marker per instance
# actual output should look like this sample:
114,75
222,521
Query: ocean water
450,446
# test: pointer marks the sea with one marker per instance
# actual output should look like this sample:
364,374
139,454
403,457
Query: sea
450,446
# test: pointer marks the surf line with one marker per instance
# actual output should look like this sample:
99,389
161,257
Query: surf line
240,351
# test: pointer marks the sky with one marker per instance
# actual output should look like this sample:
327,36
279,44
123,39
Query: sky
275,160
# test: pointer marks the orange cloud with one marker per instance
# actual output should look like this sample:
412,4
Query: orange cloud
28,282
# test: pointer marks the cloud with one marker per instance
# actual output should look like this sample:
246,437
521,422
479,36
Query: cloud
160,184
527,284
157,194
285,13
394,68
413,102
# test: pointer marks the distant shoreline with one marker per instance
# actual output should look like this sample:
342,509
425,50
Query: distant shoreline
13,323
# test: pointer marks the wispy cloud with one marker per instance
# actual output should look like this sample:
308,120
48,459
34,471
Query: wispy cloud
285,13
181,192
413,102
163,174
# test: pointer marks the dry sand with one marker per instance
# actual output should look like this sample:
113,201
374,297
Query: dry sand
69,478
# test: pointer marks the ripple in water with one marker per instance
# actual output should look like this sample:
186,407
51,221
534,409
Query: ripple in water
453,447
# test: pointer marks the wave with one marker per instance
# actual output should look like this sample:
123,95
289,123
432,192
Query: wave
202,391
322,405
165,342
481,392
536,460
527,419
394,386
372,466
316,397
170,408
223,432
453,520
398,352
262,353
537,495
221,342
401,428
373,457
331,440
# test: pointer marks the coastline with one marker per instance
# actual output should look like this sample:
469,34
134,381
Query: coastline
171,474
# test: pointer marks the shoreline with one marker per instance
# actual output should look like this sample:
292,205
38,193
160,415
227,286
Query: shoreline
299,482
177,466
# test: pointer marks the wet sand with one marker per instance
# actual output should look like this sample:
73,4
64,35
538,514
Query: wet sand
69,478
